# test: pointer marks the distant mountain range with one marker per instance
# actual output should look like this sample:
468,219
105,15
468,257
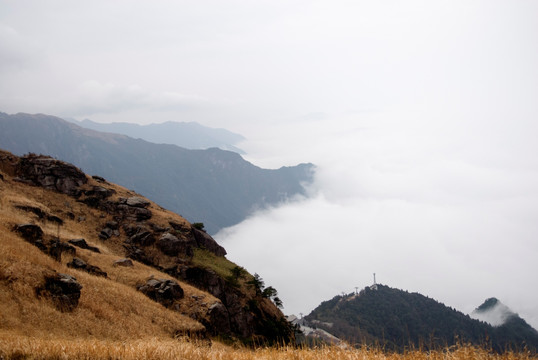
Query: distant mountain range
190,135
213,186
398,320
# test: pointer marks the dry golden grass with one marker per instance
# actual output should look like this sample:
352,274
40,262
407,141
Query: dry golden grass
109,309
19,347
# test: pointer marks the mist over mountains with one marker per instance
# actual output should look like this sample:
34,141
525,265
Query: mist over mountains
493,312
190,135
213,186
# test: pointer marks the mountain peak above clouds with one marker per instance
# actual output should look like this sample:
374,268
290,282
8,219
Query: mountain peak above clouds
493,312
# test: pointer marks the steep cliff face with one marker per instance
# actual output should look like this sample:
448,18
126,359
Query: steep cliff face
94,219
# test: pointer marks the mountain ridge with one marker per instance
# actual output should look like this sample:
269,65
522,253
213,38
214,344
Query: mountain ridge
190,135
215,185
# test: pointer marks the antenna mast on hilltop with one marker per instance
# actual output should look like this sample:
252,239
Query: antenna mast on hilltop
374,287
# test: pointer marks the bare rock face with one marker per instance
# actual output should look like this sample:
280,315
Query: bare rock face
204,240
62,289
29,232
171,245
240,321
165,292
56,248
51,174
94,197
134,208
138,202
80,264
100,192
51,246
123,262
81,243
139,235
219,319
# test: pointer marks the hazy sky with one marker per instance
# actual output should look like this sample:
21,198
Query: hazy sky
421,117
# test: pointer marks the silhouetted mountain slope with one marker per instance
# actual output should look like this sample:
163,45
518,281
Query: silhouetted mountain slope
216,187
398,319
189,135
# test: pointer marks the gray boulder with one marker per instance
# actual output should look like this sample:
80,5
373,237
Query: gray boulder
165,292
63,290
123,262
171,245
204,240
80,264
51,174
29,232
81,243
136,201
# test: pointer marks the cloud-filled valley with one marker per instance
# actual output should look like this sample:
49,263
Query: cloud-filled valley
426,212
420,117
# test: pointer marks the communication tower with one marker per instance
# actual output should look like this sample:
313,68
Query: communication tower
374,286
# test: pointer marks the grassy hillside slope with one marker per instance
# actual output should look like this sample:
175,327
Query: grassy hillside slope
112,307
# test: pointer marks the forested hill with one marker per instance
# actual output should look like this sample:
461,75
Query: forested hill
397,319
213,186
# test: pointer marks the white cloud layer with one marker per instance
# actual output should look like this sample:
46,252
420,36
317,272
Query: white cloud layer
420,115
452,217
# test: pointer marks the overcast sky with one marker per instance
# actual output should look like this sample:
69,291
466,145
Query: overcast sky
420,115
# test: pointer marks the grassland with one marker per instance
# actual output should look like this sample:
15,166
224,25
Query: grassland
17,347
109,308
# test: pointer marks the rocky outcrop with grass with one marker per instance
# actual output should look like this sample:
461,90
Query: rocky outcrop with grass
62,289
134,229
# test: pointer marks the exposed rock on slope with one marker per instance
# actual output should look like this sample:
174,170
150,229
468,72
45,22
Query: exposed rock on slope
112,223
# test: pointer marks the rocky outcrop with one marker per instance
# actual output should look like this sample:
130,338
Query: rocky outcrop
96,195
56,248
165,292
49,245
29,232
219,319
81,243
241,320
204,240
51,174
80,264
110,229
123,263
136,253
41,214
139,234
164,243
62,289
134,209
173,246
